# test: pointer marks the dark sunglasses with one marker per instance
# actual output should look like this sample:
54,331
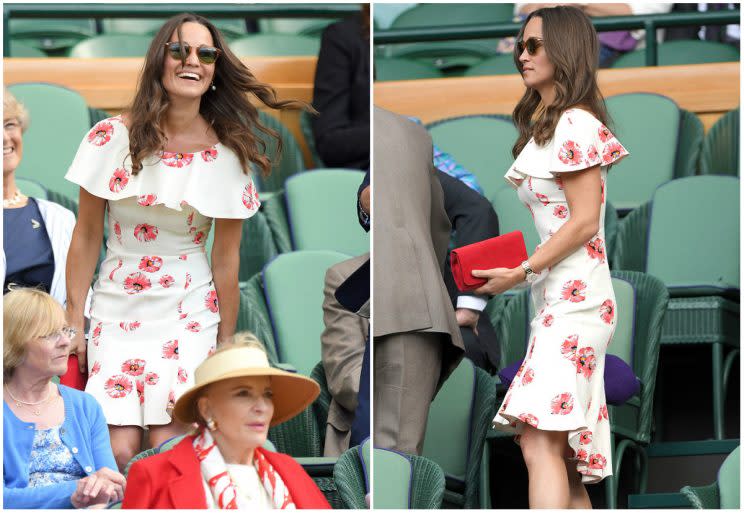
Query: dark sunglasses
205,54
532,44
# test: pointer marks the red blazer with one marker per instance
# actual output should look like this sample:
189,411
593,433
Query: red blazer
173,480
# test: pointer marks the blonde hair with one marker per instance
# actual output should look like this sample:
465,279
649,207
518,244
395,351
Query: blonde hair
12,108
27,314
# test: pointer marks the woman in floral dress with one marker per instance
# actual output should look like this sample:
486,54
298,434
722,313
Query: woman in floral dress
556,403
179,158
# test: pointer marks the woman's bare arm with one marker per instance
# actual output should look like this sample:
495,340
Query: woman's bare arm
225,265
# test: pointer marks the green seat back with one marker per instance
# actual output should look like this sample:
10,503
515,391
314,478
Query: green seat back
498,65
321,207
275,45
651,161
31,188
19,49
720,152
622,341
229,27
674,53
293,284
729,481
59,120
392,68
299,26
481,144
51,34
447,439
693,234
291,160
112,45
391,484
306,125
514,215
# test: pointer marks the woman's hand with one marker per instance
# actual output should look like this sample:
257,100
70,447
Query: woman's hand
500,279
79,346
101,487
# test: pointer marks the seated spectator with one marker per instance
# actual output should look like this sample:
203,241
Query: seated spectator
222,465
56,450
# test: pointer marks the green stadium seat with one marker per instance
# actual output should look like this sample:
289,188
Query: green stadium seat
290,161
676,53
351,477
392,68
19,49
306,126
690,142
481,144
112,45
230,28
275,45
59,120
514,215
459,418
720,152
651,162
54,36
312,27
31,188
498,65
724,493
321,207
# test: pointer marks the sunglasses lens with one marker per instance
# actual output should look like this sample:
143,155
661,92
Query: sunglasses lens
531,46
175,50
207,54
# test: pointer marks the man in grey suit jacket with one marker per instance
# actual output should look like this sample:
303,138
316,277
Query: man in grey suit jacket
416,336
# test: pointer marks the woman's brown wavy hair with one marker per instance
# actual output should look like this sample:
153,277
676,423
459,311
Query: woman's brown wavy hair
228,109
572,46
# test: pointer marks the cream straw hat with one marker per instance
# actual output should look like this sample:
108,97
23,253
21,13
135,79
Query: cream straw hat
292,392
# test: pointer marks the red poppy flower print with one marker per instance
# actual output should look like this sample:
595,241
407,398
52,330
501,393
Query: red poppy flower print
595,248
190,219
187,281
117,231
141,391
529,182
182,257
145,232
95,370
250,197
604,134
570,153
592,155
199,238
505,404
542,198
560,211
192,230
171,159
562,404
170,350
171,401
528,376
611,153
182,375
582,454
597,461
573,290
559,182
150,264
607,311
152,378
97,333
129,326
118,386
166,281
211,301
209,155
585,437
136,283
532,347
133,367
194,327
569,347
603,413
586,362
548,321
532,212
118,180
118,266
101,133
181,315
147,200
528,418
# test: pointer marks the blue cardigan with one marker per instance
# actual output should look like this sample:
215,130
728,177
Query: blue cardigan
84,432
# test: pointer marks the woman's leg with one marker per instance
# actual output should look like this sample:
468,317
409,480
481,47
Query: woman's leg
579,497
125,442
163,433
544,453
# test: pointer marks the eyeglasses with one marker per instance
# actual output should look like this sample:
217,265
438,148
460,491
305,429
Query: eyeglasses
205,54
532,44
55,337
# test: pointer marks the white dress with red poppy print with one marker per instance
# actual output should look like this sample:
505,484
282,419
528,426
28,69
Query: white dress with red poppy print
560,386
154,312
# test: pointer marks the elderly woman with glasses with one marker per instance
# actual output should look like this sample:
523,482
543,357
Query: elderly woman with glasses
180,158
56,451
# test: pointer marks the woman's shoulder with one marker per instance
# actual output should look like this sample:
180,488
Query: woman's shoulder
577,118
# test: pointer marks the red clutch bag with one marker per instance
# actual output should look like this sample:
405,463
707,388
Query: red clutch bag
506,250
73,378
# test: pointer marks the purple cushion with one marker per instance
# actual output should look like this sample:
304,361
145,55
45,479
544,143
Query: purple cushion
620,382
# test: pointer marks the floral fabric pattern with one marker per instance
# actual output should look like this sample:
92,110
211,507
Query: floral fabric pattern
51,461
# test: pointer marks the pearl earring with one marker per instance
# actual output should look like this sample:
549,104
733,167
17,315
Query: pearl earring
213,87
211,424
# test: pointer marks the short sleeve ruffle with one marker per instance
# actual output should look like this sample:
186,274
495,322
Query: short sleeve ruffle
211,181
580,141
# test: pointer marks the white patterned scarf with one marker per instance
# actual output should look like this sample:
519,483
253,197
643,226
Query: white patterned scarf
224,491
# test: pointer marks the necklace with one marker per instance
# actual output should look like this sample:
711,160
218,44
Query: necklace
17,199
18,402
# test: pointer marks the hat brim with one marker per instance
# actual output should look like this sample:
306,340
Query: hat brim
292,393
